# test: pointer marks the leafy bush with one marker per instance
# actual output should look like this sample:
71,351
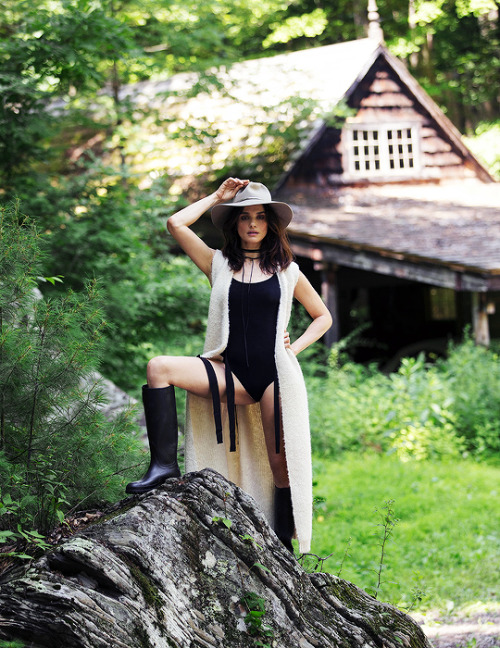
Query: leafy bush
473,374
56,446
97,223
422,411
482,143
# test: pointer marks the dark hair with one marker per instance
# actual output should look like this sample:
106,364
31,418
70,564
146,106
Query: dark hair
276,253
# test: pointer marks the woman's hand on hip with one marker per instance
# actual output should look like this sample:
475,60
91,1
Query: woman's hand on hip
286,340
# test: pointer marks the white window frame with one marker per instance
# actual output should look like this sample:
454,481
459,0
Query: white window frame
382,149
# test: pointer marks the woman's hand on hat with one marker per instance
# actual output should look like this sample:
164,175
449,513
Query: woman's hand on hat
229,188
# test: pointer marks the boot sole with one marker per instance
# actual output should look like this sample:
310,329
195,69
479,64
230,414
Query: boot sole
139,490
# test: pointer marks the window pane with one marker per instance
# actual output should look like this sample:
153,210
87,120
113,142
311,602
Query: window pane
384,150
442,304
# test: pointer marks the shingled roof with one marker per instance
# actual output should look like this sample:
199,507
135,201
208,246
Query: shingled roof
454,227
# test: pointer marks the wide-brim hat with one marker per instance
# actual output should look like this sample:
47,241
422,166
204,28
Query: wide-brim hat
255,193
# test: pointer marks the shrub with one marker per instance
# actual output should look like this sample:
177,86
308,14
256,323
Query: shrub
56,446
473,375
408,413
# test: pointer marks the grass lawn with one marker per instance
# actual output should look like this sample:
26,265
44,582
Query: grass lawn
445,544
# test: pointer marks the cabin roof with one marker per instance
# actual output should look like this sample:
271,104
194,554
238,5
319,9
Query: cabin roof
454,225
353,74
323,73
254,89
449,225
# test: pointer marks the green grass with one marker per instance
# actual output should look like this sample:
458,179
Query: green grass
447,540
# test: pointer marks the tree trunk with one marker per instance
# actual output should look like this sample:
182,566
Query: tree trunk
193,564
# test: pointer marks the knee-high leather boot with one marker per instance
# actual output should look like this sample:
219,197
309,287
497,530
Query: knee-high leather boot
284,525
161,425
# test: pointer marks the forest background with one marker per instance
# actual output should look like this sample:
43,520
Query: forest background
114,293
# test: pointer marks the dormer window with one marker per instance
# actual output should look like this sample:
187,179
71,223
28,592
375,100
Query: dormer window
381,149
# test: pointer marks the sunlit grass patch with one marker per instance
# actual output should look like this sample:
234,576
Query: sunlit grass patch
445,548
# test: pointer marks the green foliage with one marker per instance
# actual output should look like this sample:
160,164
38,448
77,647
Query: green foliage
98,225
56,447
421,412
387,525
445,542
474,376
11,644
46,50
222,520
254,619
485,143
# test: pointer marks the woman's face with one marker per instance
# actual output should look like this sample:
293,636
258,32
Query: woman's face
252,226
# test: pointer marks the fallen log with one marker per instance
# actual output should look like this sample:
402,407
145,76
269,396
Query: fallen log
193,564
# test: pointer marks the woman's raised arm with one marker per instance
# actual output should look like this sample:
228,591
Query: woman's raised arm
179,224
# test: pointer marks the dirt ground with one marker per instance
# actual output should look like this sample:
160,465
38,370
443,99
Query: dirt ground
476,630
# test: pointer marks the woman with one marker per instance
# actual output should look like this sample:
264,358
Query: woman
247,385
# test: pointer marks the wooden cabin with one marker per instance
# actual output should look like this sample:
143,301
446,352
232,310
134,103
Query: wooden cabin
396,221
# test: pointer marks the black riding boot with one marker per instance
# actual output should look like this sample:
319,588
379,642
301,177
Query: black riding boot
284,525
161,424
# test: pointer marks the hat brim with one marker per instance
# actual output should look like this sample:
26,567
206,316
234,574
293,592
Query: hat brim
220,213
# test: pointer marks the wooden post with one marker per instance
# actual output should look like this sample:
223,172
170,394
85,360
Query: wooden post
480,325
329,292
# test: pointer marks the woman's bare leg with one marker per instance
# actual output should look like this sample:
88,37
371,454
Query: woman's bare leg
190,374
277,462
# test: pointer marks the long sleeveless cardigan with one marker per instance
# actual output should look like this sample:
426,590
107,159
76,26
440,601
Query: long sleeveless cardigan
248,467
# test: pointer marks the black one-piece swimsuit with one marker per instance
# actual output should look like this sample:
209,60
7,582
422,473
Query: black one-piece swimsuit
253,313
249,355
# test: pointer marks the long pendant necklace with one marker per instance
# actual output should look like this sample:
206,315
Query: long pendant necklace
246,320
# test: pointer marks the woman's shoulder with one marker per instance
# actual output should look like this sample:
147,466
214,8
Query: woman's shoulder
292,271
219,259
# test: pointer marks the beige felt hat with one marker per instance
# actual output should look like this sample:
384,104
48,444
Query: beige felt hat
255,193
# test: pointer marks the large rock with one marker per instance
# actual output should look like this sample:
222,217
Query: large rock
193,564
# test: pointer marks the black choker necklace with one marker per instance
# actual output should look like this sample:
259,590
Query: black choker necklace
256,252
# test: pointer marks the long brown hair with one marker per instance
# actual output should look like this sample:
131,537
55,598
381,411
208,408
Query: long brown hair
275,250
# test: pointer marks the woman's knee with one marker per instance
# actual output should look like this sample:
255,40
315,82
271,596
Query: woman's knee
157,371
